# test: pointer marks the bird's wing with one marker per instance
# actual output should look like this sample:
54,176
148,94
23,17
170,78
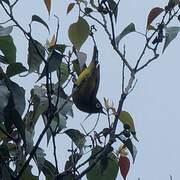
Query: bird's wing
87,72
96,81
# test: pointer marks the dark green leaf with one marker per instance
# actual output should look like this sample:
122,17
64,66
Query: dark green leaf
4,152
132,149
8,48
29,140
4,97
64,73
18,94
65,176
14,69
53,64
130,28
67,106
77,137
114,8
78,32
170,34
88,10
28,175
48,170
38,19
58,123
5,31
5,172
73,159
2,135
173,3
76,67
107,171
93,4
40,158
12,117
61,47
35,53
40,105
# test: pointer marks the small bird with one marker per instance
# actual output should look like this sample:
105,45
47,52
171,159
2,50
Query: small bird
86,86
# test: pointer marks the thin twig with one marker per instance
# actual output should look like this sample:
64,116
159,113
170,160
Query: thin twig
54,148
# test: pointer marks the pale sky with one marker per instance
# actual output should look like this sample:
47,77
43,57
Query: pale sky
154,103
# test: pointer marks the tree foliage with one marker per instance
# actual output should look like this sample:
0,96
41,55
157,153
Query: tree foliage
60,66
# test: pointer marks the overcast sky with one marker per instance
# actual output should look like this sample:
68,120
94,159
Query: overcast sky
154,103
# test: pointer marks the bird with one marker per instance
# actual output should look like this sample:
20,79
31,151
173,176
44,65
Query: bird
86,86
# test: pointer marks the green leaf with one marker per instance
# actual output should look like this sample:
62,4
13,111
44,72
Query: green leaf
2,135
28,175
67,106
12,117
34,56
40,105
173,3
88,10
65,176
114,8
40,158
93,4
8,48
61,47
72,161
18,122
53,64
14,69
41,21
154,13
5,31
18,94
76,67
64,73
5,172
48,170
78,32
58,123
170,34
4,98
131,147
130,28
101,171
29,140
77,137
4,151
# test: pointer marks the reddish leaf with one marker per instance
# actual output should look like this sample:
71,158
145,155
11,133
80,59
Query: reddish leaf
48,5
153,14
70,7
124,165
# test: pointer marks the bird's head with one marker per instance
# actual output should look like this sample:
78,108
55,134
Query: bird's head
98,107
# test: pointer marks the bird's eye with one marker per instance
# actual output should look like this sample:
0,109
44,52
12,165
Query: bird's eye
98,105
